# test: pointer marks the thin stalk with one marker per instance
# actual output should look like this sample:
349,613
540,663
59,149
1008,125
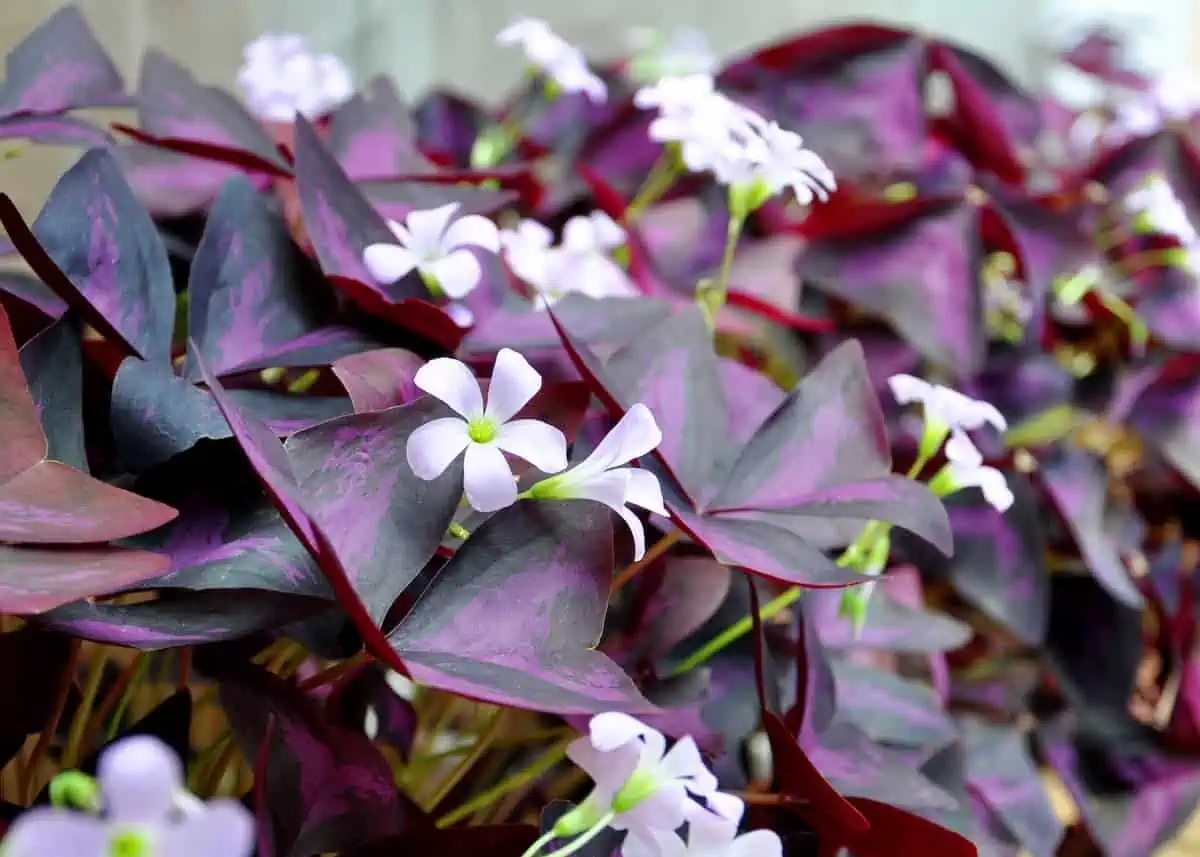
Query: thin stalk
543,763
659,548
482,744
79,722
658,181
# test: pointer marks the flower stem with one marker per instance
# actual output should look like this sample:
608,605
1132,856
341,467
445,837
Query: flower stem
60,702
541,842
584,838
662,175
80,720
712,296
657,549
481,746
543,763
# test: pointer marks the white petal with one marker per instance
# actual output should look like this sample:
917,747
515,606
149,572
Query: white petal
475,230
461,314
683,762
908,389
726,806
609,770
989,480
539,443
612,729
138,778
387,263
432,447
609,233
634,435
961,450
457,274
529,233
453,383
579,235
642,490
756,843
654,843
710,834
427,227
664,809
487,478
514,383
636,530
402,234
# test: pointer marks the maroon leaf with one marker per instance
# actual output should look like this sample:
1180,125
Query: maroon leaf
537,575
60,66
203,120
379,379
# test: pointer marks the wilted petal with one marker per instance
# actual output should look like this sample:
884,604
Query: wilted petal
539,443
474,229
487,478
453,383
387,263
514,383
427,227
42,831
457,274
224,828
432,447
635,434
139,778
642,490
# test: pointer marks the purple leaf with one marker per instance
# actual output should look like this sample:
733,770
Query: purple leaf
377,380
54,131
373,137
447,125
53,364
921,276
172,106
752,398
690,591
607,321
889,625
247,303
106,245
384,523
179,617
892,710
156,415
287,413
60,66
33,292
1078,485
34,579
395,199
367,698
537,576
1001,772
170,184
327,789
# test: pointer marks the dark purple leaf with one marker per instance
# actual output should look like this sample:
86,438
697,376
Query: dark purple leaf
396,199
104,242
379,379
1162,408
32,661
447,125
156,415
752,398
372,135
174,107
1078,485
34,579
367,702
327,789
33,292
1158,813
921,276
621,154
384,523
999,564
492,840
896,833
53,365
608,321
889,625
287,413
54,131
60,66
170,184
891,710
537,576
180,618
247,305
688,594
1001,772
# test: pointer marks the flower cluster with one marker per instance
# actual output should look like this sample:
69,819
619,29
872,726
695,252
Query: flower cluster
582,263
282,78
561,62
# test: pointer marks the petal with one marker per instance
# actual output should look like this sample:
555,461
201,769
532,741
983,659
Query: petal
472,229
709,833
756,843
653,843
644,491
665,809
514,383
402,234
961,450
42,831
612,729
608,770
634,435
427,227
683,762
432,447
579,235
460,314
989,480
387,263
457,274
636,530
539,443
139,778
487,478
609,233
225,827
452,382
726,806
908,389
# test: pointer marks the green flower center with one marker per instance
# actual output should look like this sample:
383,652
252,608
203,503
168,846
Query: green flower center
637,788
482,429
129,843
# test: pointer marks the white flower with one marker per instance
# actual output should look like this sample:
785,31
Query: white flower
647,787
708,836
583,262
554,56
686,52
281,77
965,469
1158,203
437,248
784,163
603,478
484,433
947,410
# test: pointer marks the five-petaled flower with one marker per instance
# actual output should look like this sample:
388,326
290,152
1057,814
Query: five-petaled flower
582,263
437,245
484,433
562,63
708,835
145,812
603,477
640,786
281,77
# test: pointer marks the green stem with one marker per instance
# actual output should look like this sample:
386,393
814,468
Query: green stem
586,837
543,763
662,175
482,744
139,672
538,845
90,690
